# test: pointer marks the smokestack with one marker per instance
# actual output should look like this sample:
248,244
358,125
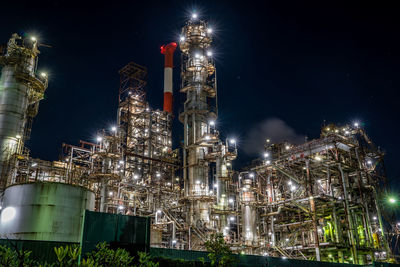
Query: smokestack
168,50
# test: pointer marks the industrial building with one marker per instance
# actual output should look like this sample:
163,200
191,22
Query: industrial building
320,200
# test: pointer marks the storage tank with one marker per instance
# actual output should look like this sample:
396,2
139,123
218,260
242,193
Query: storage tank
44,211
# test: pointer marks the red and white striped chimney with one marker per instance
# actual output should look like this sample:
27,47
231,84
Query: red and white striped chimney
168,51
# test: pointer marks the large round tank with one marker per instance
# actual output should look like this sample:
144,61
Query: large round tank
44,211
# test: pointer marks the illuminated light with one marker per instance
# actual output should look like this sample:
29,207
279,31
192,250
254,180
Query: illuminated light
328,129
113,128
319,230
174,241
120,207
330,255
374,218
245,189
8,214
269,233
110,193
292,188
168,184
287,147
336,131
318,158
228,164
251,175
369,162
274,219
208,137
215,185
174,202
346,132
194,16
209,53
398,224
319,181
18,136
197,56
33,38
265,253
268,161
209,30
290,183
158,174
99,139
43,74
266,155
182,38
392,200
232,141
159,211
211,123
284,257
376,253
135,176
287,239
211,192
121,162
231,200
226,228
34,164
198,182
268,140
242,252
356,124
232,218
216,217
177,179
351,258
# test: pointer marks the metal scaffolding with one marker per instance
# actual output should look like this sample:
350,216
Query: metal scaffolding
322,200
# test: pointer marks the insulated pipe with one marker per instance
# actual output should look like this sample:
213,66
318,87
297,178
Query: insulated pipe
168,51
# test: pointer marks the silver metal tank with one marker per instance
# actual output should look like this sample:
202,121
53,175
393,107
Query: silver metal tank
20,93
44,211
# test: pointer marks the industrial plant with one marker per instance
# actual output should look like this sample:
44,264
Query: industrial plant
321,200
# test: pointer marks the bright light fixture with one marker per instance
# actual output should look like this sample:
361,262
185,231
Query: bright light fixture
232,218
232,141
33,38
43,74
99,139
251,175
113,128
209,30
182,38
194,16
231,200
8,214
266,155
209,53
212,123
18,136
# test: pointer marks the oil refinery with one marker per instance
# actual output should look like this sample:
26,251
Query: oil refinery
321,200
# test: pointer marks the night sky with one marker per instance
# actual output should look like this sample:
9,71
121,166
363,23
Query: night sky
283,68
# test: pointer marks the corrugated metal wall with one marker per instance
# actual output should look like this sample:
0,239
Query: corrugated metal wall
129,232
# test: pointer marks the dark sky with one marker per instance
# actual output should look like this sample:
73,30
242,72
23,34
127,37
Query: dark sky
286,61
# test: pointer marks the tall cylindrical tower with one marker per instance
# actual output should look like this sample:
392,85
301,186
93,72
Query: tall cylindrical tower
21,89
198,83
168,51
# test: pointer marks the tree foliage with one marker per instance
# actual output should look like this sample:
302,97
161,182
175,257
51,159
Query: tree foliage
219,252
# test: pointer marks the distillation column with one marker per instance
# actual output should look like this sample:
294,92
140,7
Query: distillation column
198,82
20,92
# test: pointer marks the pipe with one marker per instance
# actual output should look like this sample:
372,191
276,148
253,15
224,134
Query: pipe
168,51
